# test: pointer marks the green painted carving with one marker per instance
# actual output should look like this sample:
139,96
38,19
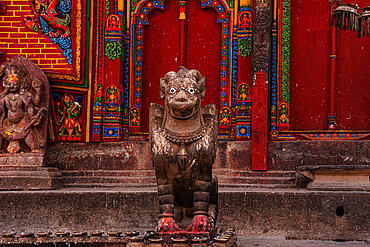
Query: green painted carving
285,51
106,8
245,47
114,49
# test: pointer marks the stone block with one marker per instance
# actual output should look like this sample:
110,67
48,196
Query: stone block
30,178
342,178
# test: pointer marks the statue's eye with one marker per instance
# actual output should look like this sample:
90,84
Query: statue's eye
191,90
172,90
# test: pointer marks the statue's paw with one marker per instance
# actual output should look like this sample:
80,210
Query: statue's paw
167,225
199,224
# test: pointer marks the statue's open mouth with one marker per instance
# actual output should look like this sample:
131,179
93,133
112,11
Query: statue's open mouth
183,112
183,109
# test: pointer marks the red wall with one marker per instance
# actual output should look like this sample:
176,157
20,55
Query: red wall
160,54
204,48
353,88
309,64
310,70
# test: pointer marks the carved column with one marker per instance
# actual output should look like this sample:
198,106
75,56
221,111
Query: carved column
260,65
261,36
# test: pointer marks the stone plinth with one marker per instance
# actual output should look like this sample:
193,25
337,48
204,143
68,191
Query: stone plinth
347,178
30,178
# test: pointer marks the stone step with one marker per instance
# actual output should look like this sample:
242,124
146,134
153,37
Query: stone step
107,185
218,172
226,177
238,173
109,179
93,179
288,213
275,182
106,173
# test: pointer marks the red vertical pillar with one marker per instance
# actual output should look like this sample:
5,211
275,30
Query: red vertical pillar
259,122
182,10
332,77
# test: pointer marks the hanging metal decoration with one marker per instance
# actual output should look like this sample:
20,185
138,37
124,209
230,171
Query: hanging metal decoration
347,17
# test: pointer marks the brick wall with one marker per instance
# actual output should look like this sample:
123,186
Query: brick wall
16,39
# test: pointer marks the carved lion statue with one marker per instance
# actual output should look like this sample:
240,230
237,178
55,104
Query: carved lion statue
183,140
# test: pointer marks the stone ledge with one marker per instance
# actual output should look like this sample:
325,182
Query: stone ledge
290,213
30,178
337,177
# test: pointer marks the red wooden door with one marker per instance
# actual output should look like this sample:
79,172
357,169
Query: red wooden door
161,51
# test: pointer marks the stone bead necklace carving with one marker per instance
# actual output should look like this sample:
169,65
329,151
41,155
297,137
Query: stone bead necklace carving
184,138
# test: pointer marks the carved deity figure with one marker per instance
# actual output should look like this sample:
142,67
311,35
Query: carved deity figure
244,93
18,109
68,114
183,140
284,114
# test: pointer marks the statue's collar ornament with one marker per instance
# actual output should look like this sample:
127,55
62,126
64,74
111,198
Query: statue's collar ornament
187,137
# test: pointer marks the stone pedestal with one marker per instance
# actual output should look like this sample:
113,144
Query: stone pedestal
26,172
337,178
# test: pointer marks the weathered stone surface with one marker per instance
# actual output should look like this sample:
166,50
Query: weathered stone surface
78,210
290,213
128,163
339,177
99,156
29,178
288,155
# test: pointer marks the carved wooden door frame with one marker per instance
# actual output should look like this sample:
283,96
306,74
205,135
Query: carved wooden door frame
139,19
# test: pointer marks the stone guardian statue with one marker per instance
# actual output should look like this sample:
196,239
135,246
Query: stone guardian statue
183,140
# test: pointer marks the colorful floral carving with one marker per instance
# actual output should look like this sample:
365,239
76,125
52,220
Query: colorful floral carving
245,47
114,49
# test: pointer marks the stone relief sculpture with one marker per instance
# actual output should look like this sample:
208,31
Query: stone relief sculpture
24,103
183,147
24,118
